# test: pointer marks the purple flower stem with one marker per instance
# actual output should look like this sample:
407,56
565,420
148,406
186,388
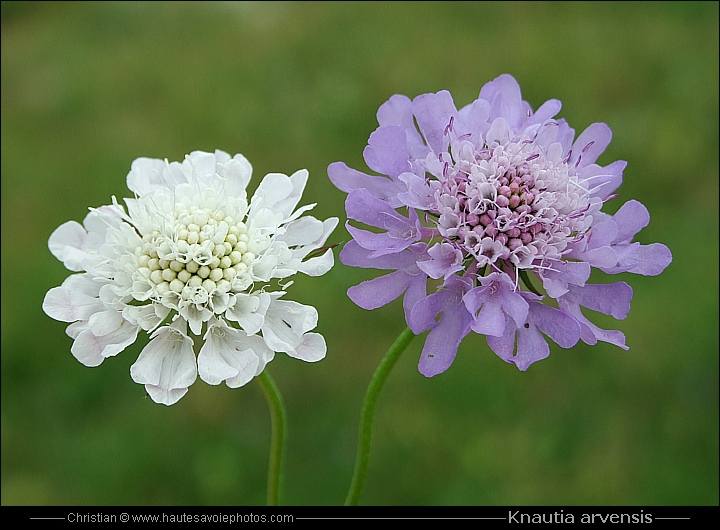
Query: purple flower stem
368,412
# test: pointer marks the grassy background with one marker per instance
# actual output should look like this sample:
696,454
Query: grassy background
88,87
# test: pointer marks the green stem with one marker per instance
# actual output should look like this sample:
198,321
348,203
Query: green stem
368,411
277,442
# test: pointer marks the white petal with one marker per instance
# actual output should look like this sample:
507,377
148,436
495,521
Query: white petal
104,322
147,175
91,349
148,316
299,180
67,305
319,265
195,317
165,396
87,349
285,323
312,348
202,166
249,311
227,355
166,365
303,231
265,220
263,268
237,173
274,188
74,329
66,243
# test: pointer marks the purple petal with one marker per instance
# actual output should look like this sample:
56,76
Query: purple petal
609,299
546,111
419,194
443,341
433,113
379,291
398,111
387,151
556,324
601,258
381,244
505,99
347,180
630,219
354,255
531,347
602,181
362,206
416,291
589,332
590,144
497,290
425,311
603,234
648,260
490,320
556,279
565,135
472,120
445,260
504,346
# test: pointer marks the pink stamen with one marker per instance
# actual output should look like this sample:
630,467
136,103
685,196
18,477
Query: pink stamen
532,157
449,126
565,160
588,146
579,213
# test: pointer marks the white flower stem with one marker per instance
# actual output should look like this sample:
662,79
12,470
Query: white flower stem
277,443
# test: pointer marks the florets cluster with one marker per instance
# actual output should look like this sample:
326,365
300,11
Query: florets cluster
503,206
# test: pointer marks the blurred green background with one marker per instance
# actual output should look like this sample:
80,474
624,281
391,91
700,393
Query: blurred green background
89,87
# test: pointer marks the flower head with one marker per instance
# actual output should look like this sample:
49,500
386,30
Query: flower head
502,208
192,261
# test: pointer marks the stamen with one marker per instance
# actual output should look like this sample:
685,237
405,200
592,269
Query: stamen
578,161
565,160
610,197
579,213
588,146
532,157
449,126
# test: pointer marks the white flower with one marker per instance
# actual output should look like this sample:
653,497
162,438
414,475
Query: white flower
190,253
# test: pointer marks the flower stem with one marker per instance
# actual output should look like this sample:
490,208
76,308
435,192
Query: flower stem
277,442
368,411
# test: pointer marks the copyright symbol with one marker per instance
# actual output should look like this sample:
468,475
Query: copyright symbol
124,518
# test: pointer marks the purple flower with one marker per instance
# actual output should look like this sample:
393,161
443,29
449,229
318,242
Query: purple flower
502,205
